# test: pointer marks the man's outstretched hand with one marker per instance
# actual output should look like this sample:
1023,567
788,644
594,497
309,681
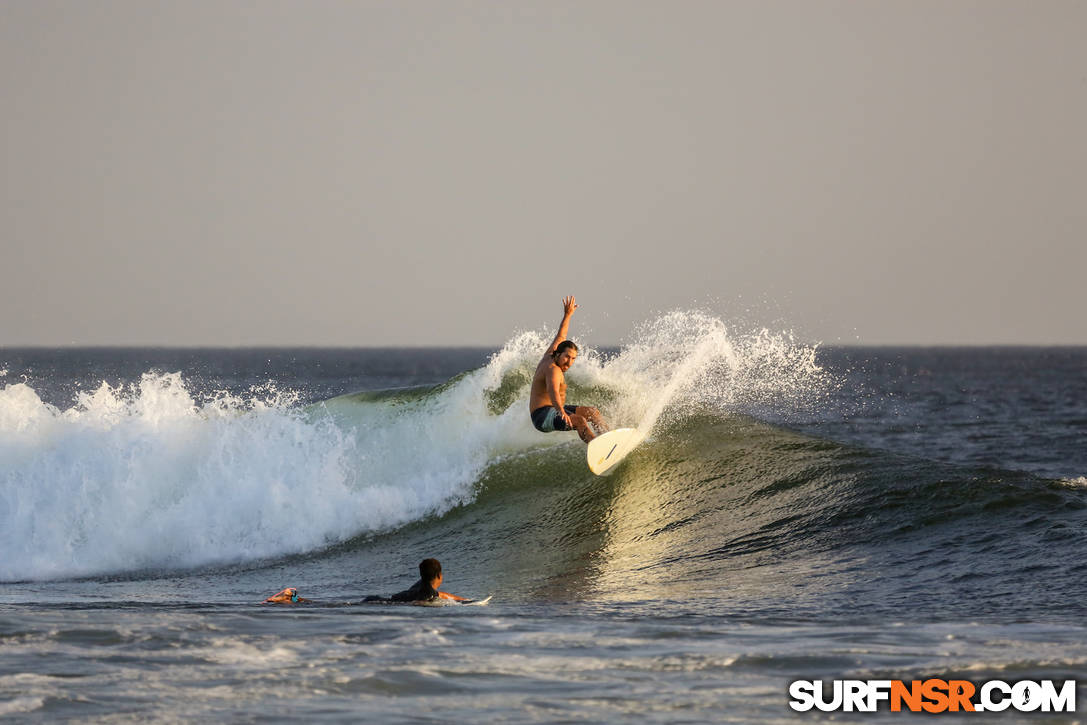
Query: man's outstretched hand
568,305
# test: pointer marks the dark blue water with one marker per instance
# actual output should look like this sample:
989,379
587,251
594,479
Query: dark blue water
887,513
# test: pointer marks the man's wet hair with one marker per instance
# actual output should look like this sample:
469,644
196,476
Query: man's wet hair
429,569
563,347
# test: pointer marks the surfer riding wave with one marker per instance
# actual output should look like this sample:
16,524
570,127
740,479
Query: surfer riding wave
547,397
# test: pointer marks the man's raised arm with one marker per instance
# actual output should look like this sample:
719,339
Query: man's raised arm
568,307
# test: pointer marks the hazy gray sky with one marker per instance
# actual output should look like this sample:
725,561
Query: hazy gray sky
383,173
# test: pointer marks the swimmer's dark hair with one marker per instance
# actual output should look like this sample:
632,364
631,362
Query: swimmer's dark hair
563,347
429,569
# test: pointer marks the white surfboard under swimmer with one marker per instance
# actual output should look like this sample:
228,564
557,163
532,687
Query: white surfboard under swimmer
607,449
455,603
477,602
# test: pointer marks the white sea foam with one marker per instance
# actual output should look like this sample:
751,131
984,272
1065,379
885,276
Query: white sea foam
21,704
683,363
145,478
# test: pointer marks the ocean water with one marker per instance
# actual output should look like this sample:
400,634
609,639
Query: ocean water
796,513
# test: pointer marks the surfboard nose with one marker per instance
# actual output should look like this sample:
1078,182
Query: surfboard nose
608,449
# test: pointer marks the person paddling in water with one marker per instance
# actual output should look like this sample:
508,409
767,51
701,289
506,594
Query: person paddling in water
547,397
426,589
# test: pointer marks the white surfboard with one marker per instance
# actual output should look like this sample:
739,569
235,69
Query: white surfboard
608,449
454,602
477,602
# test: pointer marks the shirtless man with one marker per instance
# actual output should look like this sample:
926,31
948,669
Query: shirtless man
547,397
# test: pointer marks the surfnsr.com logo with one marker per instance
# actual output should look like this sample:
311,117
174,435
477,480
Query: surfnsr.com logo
933,696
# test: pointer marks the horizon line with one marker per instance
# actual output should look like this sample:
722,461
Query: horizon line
424,346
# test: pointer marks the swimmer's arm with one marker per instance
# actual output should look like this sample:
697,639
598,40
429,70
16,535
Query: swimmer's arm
454,597
568,307
287,596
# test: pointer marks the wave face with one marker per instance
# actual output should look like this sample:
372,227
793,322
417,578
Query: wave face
717,506
142,477
744,517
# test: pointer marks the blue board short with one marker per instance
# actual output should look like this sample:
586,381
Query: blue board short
546,418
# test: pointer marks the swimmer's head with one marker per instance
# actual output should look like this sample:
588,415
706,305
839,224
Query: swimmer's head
430,569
